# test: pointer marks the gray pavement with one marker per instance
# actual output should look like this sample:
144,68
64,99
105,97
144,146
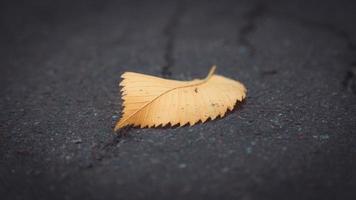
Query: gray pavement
292,138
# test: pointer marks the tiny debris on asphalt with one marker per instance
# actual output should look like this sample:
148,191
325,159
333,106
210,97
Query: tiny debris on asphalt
292,138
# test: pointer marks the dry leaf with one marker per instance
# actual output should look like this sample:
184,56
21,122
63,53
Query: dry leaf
151,101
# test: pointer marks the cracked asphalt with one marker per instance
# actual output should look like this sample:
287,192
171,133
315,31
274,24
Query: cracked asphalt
292,138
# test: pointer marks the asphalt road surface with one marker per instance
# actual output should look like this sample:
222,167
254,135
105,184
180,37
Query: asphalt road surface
292,138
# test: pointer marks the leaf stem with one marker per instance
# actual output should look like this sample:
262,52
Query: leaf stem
211,72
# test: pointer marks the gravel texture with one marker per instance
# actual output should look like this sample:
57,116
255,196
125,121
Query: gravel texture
292,138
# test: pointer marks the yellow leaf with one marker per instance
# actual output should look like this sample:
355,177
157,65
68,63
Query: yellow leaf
151,101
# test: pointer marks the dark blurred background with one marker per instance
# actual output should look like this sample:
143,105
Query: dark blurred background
293,137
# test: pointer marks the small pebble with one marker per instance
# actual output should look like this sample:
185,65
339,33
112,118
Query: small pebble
183,165
154,160
242,50
248,150
324,137
77,141
225,169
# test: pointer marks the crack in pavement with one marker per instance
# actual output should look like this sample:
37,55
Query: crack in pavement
349,81
251,17
169,32
319,25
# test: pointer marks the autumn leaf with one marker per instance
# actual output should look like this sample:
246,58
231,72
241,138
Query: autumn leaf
151,101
